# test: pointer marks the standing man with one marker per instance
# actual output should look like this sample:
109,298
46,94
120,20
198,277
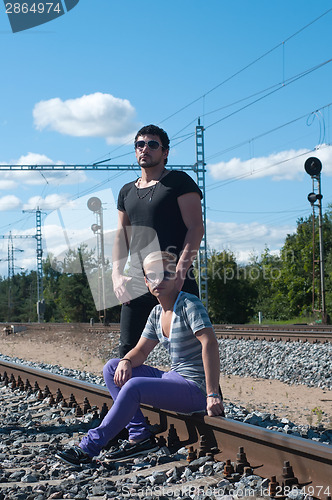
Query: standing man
161,208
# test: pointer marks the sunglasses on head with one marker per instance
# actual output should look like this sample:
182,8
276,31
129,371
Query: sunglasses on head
154,145
152,277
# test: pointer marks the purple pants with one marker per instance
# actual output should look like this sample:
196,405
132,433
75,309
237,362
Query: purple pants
148,385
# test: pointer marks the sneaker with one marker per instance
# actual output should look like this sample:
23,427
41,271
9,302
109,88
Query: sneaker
128,450
74,456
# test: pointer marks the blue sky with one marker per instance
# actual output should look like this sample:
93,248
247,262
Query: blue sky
76,89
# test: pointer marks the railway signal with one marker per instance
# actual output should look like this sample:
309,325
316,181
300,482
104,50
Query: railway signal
313,167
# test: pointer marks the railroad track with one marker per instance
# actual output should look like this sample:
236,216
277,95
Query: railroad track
287,461
300,333
286,333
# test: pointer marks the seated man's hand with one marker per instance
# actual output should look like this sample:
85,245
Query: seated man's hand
122,373
214,407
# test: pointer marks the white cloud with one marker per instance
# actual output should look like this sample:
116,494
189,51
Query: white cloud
36,159
93,115
246,239
50,202
6,184
285,165
11,179
10,202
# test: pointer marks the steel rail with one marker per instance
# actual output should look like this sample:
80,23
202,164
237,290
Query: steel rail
292,333
266,451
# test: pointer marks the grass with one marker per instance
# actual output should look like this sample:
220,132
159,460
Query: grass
299,320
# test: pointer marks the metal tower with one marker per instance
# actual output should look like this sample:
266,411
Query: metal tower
40,290
202,254
198,168
10,257
11,266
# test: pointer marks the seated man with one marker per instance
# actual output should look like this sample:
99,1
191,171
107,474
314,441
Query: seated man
180,322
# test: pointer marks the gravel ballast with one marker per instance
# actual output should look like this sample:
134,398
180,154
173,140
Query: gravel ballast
34,465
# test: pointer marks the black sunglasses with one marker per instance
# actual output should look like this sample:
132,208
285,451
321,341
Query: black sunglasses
154,145
153,277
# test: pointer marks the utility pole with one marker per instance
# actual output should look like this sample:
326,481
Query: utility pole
11,263
39,252
198,168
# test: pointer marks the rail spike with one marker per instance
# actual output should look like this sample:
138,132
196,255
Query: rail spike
86,406
228,468
104,411
72,403
288,475
78,411
273,486
204,449
59,396
192,455
241,461
173,440
27,386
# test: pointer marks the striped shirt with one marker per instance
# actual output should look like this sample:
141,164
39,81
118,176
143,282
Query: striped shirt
189,317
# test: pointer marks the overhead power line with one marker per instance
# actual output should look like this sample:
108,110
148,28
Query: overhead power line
263,134
250,174
244,68
280,86
241,70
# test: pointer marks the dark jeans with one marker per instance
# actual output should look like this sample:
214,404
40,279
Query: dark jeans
135,314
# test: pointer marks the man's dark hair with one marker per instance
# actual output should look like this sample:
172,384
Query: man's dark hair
154,130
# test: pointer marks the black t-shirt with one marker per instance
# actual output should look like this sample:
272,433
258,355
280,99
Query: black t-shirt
159,217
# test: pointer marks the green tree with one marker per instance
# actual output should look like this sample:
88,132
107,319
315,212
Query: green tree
75,299
51,283
231,295
285,283
264,274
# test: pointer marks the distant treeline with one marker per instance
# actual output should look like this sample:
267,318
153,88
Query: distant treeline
279,286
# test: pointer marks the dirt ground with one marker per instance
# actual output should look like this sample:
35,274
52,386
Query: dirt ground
74,348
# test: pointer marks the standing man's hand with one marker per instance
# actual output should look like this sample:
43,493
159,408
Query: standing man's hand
120,283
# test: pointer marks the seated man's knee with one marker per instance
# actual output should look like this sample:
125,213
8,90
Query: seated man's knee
132,385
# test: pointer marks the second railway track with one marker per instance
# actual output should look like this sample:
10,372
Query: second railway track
288,333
